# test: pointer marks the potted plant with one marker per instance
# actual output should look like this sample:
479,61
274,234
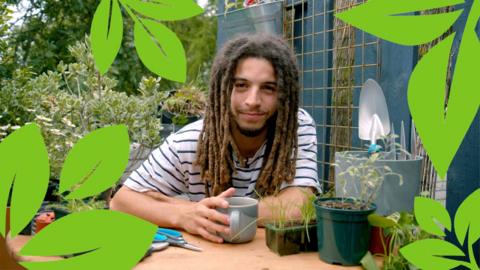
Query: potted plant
285,236
401,229
343,230
395,194
183,106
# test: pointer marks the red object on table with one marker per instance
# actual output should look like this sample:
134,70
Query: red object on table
376,238
43,220
250,2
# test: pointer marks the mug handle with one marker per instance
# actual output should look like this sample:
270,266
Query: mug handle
234,222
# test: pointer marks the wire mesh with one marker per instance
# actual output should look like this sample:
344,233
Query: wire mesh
334,59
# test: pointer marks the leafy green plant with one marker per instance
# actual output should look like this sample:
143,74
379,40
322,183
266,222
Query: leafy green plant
398,22
229,4
280,213
367,174
307,211
185,102
401,229
434,219
78,205
75,100
157,46
93,164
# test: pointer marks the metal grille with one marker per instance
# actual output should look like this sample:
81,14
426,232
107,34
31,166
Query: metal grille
335,59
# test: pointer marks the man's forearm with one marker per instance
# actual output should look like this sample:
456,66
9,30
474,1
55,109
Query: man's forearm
152,206
286,205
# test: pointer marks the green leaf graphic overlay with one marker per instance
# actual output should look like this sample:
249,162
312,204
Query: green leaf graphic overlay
467,219
166,10
23,163
430,253
435,123
106,34
110,239
427,254
428,212
160,50
96,162
433,120
383,18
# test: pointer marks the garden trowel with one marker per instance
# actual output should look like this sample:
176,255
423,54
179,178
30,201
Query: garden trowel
374,121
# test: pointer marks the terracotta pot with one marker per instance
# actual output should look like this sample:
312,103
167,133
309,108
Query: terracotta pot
376,238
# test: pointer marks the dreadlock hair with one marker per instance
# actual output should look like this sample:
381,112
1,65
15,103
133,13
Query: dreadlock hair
216,144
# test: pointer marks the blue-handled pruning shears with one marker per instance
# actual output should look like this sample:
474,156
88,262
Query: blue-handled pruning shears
173,238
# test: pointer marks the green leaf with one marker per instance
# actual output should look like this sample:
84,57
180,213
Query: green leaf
160,50
379,221
23,163
166,10
467,219
96,162
106,34
427,211
435,125
377,18
368,262
109,238
426,254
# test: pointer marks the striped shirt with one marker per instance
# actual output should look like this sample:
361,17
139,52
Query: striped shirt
170,168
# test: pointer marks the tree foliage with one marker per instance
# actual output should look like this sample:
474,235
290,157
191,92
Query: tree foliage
47,28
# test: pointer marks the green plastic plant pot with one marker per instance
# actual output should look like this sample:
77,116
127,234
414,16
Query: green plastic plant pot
291,239
343,235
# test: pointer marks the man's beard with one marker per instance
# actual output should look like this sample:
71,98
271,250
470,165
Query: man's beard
255,132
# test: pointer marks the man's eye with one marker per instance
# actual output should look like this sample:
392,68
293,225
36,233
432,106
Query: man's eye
270,88
240,85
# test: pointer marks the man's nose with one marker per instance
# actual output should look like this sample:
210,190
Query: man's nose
253,97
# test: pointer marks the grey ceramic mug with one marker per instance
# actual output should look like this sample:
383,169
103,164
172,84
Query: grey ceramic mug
243,214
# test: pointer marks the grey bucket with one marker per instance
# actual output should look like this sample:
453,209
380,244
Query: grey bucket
392,197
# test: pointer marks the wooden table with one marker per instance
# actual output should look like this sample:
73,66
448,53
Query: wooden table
254,255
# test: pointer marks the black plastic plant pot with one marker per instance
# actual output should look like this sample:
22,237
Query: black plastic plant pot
292,239
343,234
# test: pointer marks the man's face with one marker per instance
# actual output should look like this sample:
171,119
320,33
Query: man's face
254,95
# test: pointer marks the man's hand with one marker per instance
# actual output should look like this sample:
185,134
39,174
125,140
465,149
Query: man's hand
203,219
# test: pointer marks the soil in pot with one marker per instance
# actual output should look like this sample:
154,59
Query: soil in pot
291,239
343,234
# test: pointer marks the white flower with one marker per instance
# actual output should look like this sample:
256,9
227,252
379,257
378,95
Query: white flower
5,128
43,118
15,127
55,131
67,122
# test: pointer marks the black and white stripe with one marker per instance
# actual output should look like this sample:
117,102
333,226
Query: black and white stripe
170,168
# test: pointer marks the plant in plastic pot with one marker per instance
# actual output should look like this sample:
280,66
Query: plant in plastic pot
400,229
343,230
183,106
286,237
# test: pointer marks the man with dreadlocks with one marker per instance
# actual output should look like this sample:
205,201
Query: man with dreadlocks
254,140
